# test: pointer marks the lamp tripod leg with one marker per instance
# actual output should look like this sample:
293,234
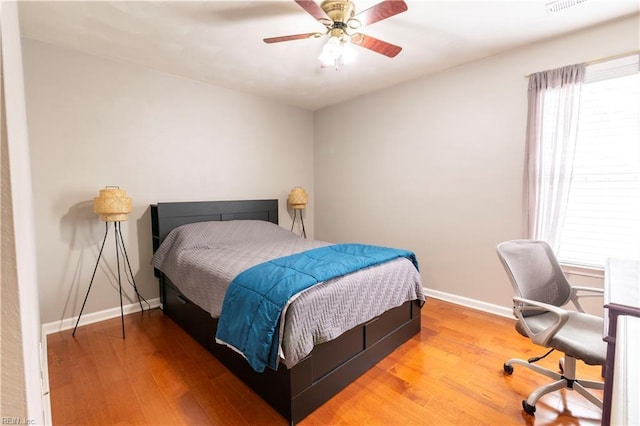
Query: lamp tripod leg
304,231
294,219
116,225
133,281
295,213
106,231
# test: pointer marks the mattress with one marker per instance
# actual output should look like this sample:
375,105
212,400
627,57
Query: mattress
202,259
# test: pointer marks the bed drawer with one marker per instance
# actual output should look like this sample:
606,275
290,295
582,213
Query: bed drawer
346,346
379,327
355,341
188,315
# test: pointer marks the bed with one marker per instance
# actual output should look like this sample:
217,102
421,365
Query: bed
299,389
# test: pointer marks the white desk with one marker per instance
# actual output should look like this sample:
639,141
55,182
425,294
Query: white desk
625,395
621,297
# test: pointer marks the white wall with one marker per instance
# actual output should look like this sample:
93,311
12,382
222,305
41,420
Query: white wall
435,165
95,122
21,358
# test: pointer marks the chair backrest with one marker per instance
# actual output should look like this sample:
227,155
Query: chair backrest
534,271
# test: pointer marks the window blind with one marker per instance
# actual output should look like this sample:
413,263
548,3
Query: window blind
612,69
603,212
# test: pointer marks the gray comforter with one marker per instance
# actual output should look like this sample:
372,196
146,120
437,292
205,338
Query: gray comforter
202,259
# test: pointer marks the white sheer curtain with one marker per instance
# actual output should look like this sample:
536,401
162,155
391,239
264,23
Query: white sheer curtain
552,122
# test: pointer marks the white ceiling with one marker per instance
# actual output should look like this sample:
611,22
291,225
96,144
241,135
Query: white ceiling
220,42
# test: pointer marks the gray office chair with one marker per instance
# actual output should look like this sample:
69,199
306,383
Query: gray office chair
541,290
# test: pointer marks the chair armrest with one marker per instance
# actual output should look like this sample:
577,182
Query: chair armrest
578,288
575,297
543,337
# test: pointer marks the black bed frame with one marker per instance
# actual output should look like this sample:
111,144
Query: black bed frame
330,367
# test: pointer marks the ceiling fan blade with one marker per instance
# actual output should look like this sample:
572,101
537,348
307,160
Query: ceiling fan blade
378,46
291,37
316,11
380,11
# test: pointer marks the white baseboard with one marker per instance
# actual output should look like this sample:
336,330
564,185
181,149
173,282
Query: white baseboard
69,323
470,303
44,381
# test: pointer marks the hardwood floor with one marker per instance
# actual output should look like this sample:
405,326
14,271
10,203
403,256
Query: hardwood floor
449,374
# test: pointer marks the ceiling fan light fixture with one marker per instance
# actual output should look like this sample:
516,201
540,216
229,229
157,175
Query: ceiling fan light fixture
333,47
326,61
349,53
339,18
331,51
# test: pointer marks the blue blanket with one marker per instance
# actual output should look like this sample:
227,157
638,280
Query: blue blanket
253,304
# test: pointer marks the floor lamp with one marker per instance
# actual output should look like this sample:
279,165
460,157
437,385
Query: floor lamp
298,200
113,205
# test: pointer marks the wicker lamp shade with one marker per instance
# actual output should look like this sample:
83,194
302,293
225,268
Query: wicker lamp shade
112,204
298,198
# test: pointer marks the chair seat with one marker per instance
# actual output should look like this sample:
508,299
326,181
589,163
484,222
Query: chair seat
580,337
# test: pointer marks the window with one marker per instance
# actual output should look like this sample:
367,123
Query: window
603,208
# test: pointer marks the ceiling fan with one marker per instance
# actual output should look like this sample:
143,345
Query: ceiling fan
342,24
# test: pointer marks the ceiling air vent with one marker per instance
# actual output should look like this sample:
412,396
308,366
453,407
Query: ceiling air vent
560,5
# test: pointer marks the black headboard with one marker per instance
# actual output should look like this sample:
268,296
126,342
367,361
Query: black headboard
166,216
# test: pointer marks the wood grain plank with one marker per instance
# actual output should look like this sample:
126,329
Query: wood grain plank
448,374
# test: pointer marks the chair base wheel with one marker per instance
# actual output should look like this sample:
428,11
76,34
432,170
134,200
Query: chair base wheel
508,369
529,409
